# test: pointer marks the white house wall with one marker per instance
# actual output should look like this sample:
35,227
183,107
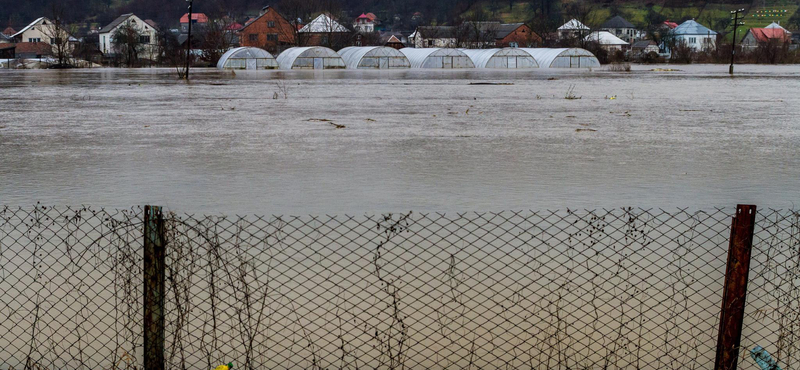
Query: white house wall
107,42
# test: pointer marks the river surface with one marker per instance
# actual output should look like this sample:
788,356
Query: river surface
401,140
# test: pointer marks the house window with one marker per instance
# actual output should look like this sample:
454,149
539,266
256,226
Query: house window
34,39
252,37
693,40
272,37
144,39
271,24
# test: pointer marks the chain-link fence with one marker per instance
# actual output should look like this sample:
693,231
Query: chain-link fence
611,289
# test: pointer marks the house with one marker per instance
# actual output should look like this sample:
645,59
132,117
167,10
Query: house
643,47
41,30
394,42
572,29
269,31
669,25
607,40
147,34
765,36
325,31
6,39
7,50
694,35
364,23
198,20
33,50
8,31
621,28
516,35
434,37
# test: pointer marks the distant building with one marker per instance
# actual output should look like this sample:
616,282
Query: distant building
607,40
8,31
33,50
756,37
777,25
669,25
6,39
434,37
325,31
40,30
7,50
475,35
573,29
621,28
643,47
147,35
198,20
364,23
694,35
516,35
394,42
269,31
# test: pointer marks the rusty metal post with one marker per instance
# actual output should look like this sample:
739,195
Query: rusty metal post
154,286
735,288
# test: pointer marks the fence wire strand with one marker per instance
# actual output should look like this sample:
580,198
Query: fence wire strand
604,289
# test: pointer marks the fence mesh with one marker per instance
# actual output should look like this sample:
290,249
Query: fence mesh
772,314
611,289
70,288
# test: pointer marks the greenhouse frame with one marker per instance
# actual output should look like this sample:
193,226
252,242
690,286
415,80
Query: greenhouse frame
247,58
312,57
373,57
563,58
506,58
440,58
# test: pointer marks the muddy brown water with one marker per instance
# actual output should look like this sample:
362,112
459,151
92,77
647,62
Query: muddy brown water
412,140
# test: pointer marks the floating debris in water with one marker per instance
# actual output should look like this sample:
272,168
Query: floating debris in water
763,359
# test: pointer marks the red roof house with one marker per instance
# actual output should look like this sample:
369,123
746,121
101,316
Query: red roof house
196,18
671,25
9,31
756,36
29,50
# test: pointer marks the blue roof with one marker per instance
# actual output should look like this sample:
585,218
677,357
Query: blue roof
691,27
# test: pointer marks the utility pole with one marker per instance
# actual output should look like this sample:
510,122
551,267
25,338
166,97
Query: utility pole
733,44
189,42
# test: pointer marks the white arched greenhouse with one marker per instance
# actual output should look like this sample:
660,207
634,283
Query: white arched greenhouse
247,58
313,57
437,58
563,58
373,57
507,58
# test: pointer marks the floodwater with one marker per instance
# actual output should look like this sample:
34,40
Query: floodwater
401,140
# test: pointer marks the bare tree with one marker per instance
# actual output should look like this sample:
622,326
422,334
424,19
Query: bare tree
296,13
216,40
59,34
126,40
171,52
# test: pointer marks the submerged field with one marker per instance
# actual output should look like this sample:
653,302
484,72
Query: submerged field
351,141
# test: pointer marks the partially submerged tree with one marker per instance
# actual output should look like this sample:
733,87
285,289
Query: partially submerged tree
126,40
216,39
172,53
59,35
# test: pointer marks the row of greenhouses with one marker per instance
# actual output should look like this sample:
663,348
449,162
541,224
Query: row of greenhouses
381,57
